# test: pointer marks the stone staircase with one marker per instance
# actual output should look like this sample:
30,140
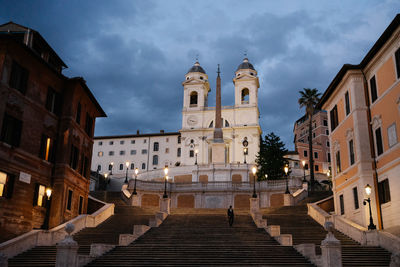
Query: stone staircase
203,239
294,220
106,233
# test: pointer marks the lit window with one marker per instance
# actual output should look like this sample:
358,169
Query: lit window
39,195
100,153
47,148
6,184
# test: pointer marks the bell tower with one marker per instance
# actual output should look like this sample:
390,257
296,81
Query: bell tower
196,88
246,85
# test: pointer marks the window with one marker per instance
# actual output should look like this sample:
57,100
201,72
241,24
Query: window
329,157
111,153
325,122
132,141
374,94
100,143
74,157
6,184
191,153
378,141
316,168
19,77
80,208
111,143
144,141
110,166
144,151
351,152
211,124
245,96
47,148
347,102
100,153
327,132
69,199
85,166
178,152
167,140
132,166
133,152
179,139
341,204
122,152
306,166
226,123
313,135
143,166
155,160
53,101
193,99
305,153
384,191
89,124
167,150
39,198
338,165
121,142
334,118
98,167
328,144
155,146
392,135
78,115
315,155
355,196
397,59
11,130
121,167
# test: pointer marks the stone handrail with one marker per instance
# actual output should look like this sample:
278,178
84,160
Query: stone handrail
50,237
299,195
318,214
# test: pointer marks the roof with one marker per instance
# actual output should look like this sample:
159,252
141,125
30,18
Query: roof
364,62
12,27
136,135
197,68
245,65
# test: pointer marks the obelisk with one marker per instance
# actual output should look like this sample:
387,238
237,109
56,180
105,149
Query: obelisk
218,145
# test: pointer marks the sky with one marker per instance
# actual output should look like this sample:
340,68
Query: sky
134,54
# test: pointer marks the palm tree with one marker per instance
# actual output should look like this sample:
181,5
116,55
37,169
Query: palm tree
309,99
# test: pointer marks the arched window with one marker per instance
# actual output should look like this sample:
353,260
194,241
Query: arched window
226,123
156,146
193,99
211,124
132,166
245,96
143,166
121,166
155,160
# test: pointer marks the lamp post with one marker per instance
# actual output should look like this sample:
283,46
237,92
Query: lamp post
368,191
286,169
165,182
126,176
134,187
245,150
45,225
196,152
112,165
254,170
303,162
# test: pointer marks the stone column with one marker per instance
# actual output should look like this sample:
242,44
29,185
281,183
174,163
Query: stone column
331,249
67,249
165,205
287,200
134,200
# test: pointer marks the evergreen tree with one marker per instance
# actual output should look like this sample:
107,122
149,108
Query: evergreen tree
270,160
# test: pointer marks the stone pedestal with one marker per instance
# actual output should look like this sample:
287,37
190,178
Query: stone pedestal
254,205
218,153
305,186
134,200
67,252
287,200
165,205
331,249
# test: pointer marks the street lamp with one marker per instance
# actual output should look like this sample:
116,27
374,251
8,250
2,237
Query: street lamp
286,169
45,225
303,162
245,143
112,165
126,177
134,188
196,152
266,176
165,182
368,191
254,170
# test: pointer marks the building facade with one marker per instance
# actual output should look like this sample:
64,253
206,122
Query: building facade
320,137
363,102
47,122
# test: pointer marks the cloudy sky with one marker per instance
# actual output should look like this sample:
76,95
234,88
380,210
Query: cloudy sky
134,54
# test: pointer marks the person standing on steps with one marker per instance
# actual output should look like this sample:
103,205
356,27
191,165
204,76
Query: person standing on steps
230,215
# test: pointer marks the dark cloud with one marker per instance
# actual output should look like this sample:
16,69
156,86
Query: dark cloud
134,54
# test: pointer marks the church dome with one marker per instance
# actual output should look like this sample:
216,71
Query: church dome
245,65
197,68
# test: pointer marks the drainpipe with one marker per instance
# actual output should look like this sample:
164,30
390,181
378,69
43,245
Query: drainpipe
373,153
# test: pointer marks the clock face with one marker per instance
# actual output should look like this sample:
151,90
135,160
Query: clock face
192,120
